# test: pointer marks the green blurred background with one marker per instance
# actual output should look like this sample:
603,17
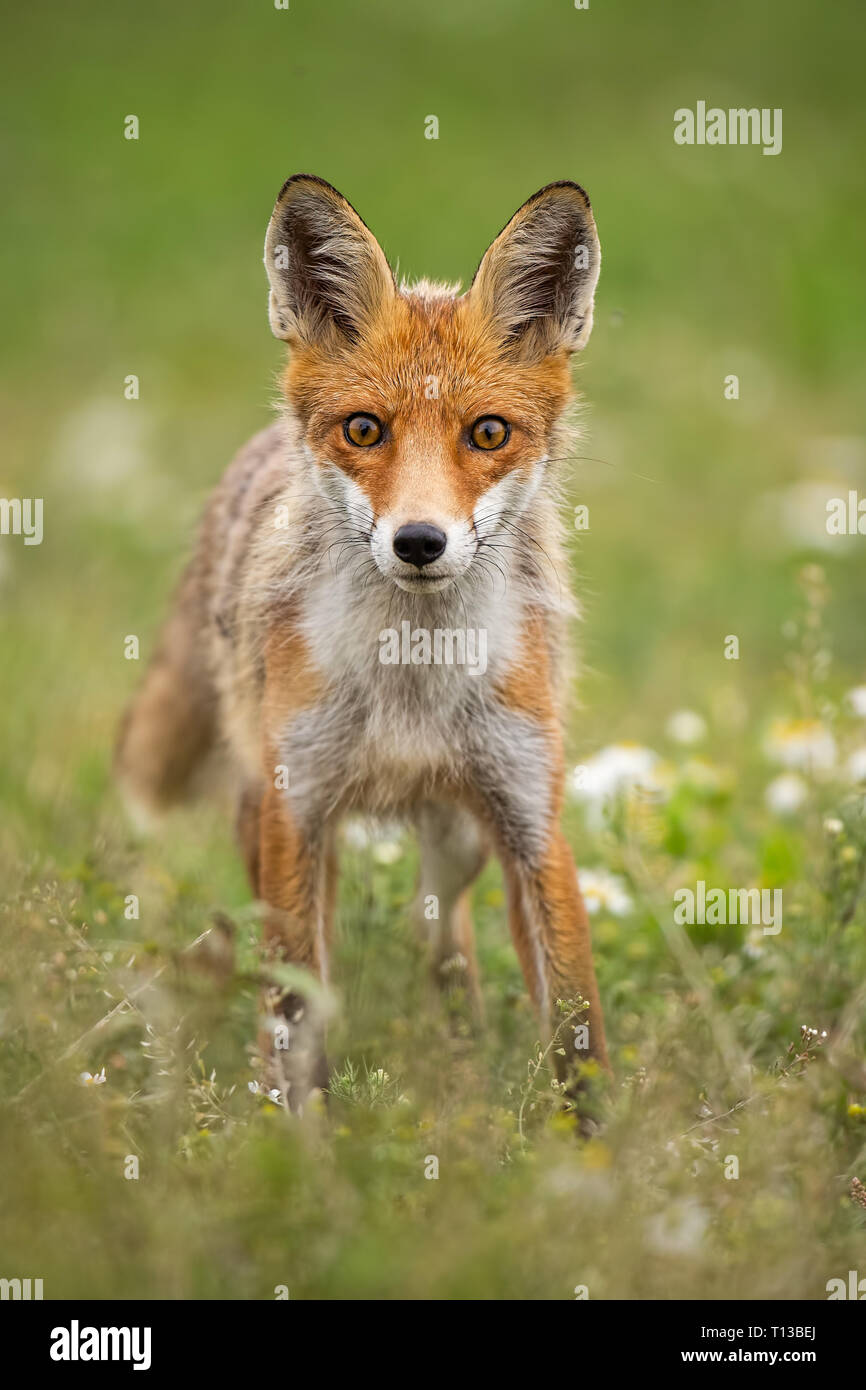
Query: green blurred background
143,257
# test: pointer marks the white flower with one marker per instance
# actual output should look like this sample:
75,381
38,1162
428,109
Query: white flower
856,699
387,851
258,1090
679,1230
797,515
614,771
856,765
382,839
801,743
88,1079
604,890
833,826
685,726
753,946
786,794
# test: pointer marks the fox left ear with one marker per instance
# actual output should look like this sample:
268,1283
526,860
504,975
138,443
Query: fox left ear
537,280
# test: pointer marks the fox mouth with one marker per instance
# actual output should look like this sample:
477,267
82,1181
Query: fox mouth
423,583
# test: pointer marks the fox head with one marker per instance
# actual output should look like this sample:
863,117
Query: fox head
429,417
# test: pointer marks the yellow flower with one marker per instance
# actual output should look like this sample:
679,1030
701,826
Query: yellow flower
597,1156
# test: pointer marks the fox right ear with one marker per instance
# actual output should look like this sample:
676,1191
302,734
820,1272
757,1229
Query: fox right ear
328,274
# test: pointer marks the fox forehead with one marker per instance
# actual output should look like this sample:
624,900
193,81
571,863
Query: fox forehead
431,361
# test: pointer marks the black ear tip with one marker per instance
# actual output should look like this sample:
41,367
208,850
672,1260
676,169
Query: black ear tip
567,186
308,180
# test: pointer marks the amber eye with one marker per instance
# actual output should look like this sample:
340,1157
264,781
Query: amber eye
362,430
489,432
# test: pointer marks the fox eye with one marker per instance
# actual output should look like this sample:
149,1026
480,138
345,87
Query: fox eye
489,432
362,430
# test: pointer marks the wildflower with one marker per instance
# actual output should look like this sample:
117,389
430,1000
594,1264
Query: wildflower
679,1230
801,743
833,826
753,946
786,794
685,726
856,765
795,517
604,890
613,772
856,700
387,851
259,1090
857,1192
383,839
88,1079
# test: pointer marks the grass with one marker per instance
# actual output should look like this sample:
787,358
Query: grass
706,521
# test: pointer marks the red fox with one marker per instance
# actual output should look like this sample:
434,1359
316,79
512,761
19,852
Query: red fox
401,515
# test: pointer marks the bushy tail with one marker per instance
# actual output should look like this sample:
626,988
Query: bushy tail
169,727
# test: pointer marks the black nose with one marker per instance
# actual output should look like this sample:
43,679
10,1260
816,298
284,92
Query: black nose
419,543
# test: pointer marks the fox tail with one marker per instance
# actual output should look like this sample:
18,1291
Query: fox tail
169,727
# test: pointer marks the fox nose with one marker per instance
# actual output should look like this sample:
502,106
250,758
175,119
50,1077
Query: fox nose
419,543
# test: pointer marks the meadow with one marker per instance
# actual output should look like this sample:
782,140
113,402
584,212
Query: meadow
717,727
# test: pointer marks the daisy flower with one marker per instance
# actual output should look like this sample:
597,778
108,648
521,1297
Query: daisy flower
801,743
614,771
89,1079
686,726
856,701
602,890
786,794
856,765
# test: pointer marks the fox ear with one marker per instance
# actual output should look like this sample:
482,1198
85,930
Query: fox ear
327,272
537,280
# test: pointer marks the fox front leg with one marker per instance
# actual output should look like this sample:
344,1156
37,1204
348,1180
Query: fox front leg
518,779
550,928
296,870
